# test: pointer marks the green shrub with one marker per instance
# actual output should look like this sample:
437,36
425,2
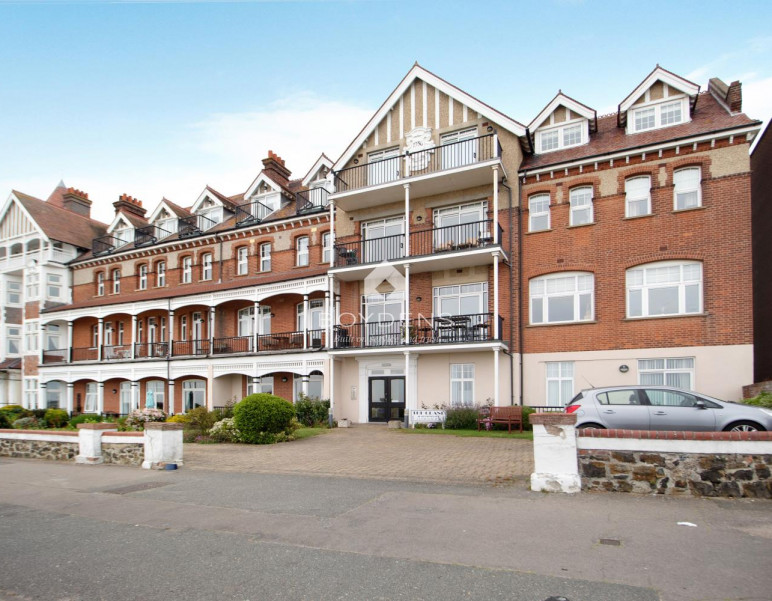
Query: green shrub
224,431
4,421
259,417
201,419
85,418
56,418
527,411
763,400
27,423
311,412
461,418
38,414
180,418
14,412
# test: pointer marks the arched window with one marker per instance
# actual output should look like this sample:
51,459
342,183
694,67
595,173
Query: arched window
664,288
562,298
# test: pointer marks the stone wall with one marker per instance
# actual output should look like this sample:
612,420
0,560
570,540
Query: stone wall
123,453
39,449
725,475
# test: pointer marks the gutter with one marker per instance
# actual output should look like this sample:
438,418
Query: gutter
512,304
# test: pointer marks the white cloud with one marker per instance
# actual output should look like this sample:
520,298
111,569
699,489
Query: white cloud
757,98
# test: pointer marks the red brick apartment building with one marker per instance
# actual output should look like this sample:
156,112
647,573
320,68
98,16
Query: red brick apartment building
451,255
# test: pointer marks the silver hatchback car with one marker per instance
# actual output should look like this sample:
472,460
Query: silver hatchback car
663,408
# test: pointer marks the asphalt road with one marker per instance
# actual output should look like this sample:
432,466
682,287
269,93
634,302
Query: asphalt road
77,533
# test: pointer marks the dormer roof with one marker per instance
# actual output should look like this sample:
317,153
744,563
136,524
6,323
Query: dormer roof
171,208
677,82
264,178
575,106
322,161
216,197
419,73
127,219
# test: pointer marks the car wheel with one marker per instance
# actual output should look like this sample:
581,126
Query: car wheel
744,427
590,426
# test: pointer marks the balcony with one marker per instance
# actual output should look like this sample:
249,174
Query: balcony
149,234
149,350
116,352
194,225
52,356
232,345
422,331
251,213
106,244
311,201
437,170
441,247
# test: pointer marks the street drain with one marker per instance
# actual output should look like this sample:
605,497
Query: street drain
614,542
124,490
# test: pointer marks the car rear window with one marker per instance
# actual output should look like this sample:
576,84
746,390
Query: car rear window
576,399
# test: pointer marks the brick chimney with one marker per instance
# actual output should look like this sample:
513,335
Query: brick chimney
77,201
275,169
130,205
730,96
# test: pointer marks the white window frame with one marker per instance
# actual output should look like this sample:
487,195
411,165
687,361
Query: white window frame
658,114
459,148
125,398
187,269
32,284
242,260
477,291
534,214
315,386
316,310
52,337
13,293
206,267
116,281
388,248
540,294
158,394
564,374
13,345
191,391
31,393
101,283
263,384
53,394
54,283
634,193
160,274
383,166
142,277
583,194
326,247
645,285
91,400
461,375
31,336
301,251
265,257
663,371
559,133
685,183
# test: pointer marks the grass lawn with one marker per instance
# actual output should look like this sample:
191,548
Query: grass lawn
302,433
480,433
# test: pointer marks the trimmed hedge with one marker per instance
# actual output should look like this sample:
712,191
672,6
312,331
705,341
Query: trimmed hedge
259,418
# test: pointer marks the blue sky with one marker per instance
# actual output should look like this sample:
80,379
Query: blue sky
160,98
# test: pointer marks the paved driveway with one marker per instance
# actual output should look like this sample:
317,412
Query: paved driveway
373,451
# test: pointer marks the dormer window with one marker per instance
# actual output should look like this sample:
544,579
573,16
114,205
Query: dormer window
662,114
123,234
565,136
213,212
166,222
661,100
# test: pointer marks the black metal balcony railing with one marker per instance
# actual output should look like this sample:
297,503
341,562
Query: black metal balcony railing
375,250
85,354
464,236
280,341
251,213
310,201
422,162
232,344
105,244
116,352
59,355
194,225
433,330
190,347
149,234
148,350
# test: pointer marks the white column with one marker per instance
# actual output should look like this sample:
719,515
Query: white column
41,343
41,400
327,320
171,333
100,336
255,382
211,328
496,394
331,317
100,398
408,383
170,402
305,321
135,404
495,221
496,333
70,387
332,233
407,303
256,326
407,217
304,380
133,336
332,386
69,341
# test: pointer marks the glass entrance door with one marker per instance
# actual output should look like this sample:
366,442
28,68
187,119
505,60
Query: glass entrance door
387,398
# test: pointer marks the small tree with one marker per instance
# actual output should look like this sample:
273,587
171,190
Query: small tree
260,417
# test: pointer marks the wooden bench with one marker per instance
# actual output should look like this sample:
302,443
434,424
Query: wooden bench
511,415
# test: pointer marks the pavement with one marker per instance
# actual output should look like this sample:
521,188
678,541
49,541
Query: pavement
72,532
374,451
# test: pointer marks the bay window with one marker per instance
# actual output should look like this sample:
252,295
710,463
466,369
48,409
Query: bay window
664,288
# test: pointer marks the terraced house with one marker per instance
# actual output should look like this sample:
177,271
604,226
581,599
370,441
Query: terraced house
451,255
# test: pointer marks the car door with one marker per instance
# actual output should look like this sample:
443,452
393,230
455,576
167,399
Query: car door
678,410
623,408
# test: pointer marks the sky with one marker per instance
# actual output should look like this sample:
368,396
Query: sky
159,98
